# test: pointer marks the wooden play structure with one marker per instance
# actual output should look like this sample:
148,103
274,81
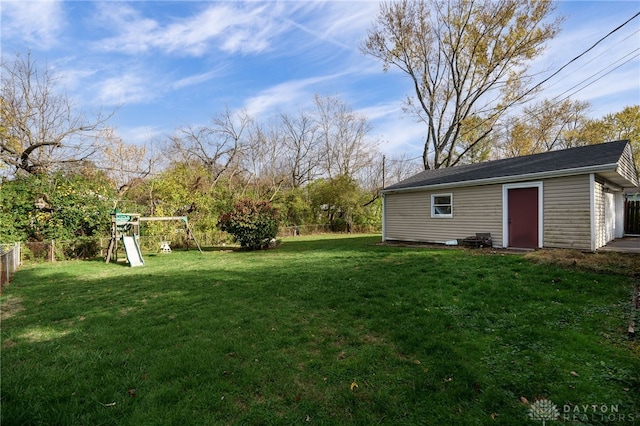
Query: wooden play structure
125,227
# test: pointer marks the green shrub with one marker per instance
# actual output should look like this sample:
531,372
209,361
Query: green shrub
253,224
82,248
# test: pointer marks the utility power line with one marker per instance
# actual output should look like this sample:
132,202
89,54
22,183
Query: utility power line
599,78
578,57
601,71
594,58
538,85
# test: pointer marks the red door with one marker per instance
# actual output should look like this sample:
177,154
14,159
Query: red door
523,217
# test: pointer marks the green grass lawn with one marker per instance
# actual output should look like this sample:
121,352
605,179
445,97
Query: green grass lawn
324,330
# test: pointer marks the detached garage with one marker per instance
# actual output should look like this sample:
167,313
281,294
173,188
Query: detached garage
571,198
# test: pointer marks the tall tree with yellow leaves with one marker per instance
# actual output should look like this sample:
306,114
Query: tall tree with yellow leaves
467,60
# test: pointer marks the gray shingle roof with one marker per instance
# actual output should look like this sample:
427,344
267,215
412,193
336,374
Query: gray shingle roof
573,158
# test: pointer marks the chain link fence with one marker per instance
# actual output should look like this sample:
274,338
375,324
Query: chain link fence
292,231
94,247
9,262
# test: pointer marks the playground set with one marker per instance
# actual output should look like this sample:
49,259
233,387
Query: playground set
125,227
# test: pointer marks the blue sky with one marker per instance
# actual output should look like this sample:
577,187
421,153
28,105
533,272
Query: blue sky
167,64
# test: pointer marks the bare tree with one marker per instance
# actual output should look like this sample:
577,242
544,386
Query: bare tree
302,142
465,58
125,164
544,126
400,167
345,149
384,171
264,160
216,146
40,129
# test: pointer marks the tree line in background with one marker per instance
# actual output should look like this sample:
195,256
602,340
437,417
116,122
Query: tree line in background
64,172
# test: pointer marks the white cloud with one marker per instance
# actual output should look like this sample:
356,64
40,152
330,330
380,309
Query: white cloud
38,23
135,33
319,35
349,21
231,27
129,88
397,131
599,51
194,79
141,135
333,23
288,95
71,74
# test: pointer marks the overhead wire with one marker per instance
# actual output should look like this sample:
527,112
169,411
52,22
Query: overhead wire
594,58
610,33
538,85
599,72
602,76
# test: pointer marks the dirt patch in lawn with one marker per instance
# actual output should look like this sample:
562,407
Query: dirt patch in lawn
601,262
11,306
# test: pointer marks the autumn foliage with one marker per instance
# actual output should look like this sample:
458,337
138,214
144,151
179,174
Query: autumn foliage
251,223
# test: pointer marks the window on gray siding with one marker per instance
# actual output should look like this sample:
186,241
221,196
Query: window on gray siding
441,205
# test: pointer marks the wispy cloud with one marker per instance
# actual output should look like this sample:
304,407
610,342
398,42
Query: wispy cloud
349,21
288,94
395,130
599,72
141,135
71,73
229,27
195,79
340,24
128,88
134,32
37,23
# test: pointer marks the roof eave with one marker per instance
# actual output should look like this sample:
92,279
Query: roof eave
504,179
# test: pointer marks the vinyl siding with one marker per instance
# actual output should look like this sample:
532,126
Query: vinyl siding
567,215
599,216
626,166
475,209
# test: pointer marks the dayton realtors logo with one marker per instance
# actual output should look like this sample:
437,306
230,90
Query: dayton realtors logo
603,413
545,410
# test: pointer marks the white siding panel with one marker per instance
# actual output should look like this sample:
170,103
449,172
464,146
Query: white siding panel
600,214
627,167
475,209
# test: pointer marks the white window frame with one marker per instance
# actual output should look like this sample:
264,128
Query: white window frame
433,208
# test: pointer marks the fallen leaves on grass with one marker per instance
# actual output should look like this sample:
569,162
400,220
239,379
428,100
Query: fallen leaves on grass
11,306
602,262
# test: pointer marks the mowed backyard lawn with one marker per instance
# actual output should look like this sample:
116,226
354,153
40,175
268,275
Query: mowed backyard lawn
321,330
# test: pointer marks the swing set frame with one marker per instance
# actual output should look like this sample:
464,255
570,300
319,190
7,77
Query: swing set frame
129,223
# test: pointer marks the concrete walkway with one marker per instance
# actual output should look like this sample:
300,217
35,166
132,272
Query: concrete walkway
623,245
